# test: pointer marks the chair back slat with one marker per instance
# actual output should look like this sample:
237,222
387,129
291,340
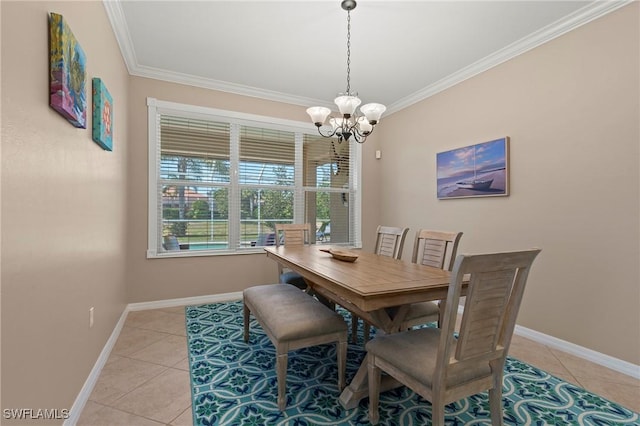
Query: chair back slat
496,287
484,308
390,241
293,234
433,248
433,253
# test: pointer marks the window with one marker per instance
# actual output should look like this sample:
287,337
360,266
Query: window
219,181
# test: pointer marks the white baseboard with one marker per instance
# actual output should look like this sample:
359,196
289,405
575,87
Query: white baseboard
616,364
185,301
85,392
604,360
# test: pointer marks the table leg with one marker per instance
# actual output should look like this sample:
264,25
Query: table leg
359,386
389,322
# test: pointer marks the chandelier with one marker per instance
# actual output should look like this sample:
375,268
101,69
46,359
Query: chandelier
350,123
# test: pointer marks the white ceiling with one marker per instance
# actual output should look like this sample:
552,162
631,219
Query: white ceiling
295,51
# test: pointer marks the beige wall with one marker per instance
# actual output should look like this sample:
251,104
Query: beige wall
571,108
63,211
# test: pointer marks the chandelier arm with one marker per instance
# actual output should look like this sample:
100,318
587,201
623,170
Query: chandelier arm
354,126
329,135
360,137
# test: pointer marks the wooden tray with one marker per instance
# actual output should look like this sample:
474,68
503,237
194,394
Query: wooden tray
343,255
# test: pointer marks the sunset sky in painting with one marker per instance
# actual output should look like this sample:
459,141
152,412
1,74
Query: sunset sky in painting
489,156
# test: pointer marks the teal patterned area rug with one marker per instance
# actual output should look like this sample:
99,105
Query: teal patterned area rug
234,383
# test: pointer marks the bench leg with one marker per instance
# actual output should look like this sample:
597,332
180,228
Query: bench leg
281,371
246,323
342,361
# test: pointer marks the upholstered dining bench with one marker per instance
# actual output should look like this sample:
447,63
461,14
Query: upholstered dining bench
293,320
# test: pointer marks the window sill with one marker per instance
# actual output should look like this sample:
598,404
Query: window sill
202,253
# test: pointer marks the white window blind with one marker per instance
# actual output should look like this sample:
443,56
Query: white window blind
220,181
266,178
194,183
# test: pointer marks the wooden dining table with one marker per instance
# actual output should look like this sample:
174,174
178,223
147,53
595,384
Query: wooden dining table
377,288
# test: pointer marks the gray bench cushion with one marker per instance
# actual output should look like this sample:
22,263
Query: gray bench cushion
291,314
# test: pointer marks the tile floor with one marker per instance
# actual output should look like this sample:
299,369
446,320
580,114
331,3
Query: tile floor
146,379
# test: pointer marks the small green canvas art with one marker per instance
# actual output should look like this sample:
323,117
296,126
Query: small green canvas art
102,115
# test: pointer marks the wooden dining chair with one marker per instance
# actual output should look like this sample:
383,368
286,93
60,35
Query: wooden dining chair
389,242
443,368
437,249
292,234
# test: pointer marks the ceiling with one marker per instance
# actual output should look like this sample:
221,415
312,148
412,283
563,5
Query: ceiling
295,51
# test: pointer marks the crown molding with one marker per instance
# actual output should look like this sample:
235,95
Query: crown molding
581,17
225,86
121,31
533,40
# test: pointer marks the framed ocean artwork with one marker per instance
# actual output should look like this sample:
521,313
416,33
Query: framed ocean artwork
102,115
67,73
480,170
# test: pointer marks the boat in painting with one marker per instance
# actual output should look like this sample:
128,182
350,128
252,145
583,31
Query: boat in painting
475,183
479,185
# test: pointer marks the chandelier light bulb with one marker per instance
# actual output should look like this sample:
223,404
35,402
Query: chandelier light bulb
373,112
364,126
347,104
318,115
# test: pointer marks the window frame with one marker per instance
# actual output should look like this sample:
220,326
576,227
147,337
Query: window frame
156,107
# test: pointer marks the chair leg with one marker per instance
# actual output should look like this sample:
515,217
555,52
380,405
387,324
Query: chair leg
437,412
495,400
373,376
342,362
246,323
281,372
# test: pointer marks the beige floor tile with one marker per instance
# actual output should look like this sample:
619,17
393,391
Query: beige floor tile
627,396
121,375
107,416
133,339
168,351
563,375
179,310
163,398
184,419
90,408
158,320
540,357
583,369
182,364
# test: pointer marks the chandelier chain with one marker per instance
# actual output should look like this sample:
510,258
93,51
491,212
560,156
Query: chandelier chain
348,52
